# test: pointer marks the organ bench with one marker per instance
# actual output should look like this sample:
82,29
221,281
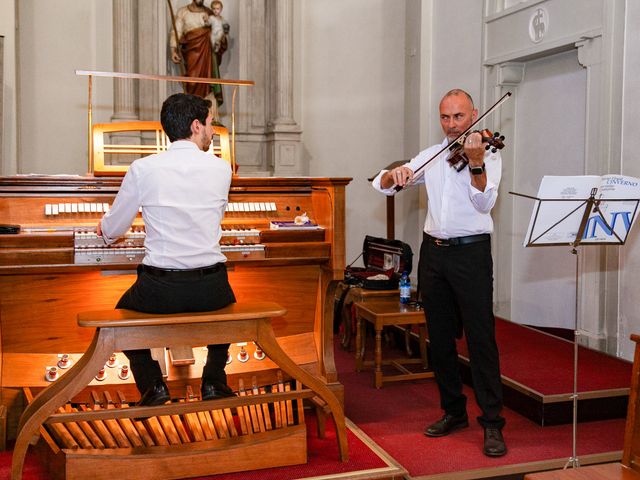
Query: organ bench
117,330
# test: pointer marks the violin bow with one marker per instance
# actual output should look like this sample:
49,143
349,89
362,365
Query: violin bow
450,145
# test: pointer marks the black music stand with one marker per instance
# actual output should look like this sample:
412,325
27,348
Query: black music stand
569,230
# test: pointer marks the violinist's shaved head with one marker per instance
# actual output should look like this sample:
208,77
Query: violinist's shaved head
457,113
458,91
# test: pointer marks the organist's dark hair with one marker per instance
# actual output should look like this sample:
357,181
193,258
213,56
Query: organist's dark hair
179,111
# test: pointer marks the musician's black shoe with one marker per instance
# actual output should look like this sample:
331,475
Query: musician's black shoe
494,445
446,425
215,390
157,394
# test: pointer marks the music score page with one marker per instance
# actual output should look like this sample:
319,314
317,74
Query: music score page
559,209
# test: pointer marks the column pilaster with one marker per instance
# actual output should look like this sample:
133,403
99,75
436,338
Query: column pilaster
284,134
125,16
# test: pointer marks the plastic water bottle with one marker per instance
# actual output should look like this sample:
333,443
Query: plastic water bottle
405,288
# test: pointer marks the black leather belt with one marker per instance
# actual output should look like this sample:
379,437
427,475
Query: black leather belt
180,273
454,242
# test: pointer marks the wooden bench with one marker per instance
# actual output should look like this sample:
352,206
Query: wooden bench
629,468
117,330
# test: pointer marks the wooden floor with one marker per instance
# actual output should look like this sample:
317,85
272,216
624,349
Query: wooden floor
593,472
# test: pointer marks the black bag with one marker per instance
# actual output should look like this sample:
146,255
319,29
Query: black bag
384,260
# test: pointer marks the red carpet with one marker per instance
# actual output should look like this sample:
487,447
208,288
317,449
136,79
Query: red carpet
396,415
528,356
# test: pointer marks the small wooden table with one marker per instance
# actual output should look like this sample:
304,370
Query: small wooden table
381,313
353,294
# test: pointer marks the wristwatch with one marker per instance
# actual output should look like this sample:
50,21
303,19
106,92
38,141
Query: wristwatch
476,170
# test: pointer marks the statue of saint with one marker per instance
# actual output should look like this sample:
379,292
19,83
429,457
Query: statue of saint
192,41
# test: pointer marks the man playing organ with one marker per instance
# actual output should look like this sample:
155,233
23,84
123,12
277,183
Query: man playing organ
183,193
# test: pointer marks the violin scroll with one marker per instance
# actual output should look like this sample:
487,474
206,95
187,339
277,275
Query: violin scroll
494,141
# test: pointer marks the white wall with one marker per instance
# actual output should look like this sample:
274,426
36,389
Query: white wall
353,101
546,272
370,73
7,30
629,313
457,54
450,50
567,87
359,109
55,40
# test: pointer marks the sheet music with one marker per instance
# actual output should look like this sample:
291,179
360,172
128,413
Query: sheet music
618,215
548,224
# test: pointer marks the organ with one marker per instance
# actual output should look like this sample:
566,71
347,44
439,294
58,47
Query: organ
56,266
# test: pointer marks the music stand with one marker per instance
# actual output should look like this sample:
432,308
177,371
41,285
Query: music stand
569,229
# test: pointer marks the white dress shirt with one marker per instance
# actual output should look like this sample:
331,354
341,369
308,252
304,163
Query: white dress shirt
455,207
183,193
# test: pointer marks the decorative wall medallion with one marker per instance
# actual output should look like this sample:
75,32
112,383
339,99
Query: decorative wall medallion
538,24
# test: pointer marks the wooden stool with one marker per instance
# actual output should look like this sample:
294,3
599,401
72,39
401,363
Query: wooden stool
382,313
118,330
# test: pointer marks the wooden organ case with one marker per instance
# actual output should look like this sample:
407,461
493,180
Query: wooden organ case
56,266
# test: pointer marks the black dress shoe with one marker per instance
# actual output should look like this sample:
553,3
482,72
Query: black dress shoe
446,425
215,390
494,445
158,394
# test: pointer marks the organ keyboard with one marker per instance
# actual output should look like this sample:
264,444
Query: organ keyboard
56,266
89,248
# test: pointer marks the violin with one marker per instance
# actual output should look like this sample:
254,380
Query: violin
458,159
490,136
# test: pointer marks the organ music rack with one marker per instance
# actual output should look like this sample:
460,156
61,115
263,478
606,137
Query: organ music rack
45,281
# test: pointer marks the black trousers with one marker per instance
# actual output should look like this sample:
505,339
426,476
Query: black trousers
177,292
456,283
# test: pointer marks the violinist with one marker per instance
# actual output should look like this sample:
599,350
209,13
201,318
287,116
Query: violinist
455,272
